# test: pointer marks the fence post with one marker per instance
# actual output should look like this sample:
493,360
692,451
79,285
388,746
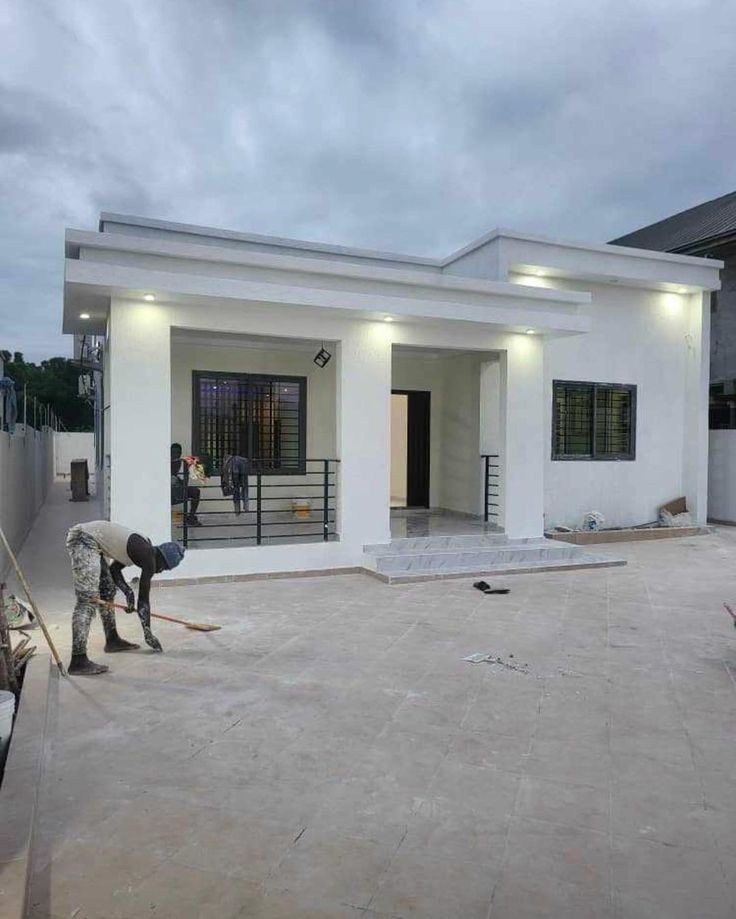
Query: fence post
258,510
326,502
486,481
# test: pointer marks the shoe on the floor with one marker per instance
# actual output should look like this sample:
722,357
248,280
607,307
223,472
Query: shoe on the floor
193,521
486,588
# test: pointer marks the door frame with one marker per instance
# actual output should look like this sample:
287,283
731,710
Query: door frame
418,450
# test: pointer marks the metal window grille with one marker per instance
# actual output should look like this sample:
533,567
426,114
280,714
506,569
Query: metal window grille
593,421
260,417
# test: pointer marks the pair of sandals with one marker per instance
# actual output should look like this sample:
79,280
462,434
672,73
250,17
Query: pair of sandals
486,588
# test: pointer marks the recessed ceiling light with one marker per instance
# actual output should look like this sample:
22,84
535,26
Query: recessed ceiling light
148,297
388,318
84,315
530,332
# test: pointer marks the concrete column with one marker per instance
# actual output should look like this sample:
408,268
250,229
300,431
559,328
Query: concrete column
523,437
139,395
695,443
364,403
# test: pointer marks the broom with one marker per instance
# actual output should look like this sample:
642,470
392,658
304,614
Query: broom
196,626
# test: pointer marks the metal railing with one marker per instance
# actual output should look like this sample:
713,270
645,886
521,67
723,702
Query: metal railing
491,486
279,506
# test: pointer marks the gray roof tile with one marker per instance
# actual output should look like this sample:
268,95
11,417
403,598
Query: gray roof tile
690,228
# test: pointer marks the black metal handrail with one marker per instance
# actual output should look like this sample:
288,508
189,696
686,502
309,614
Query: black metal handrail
254,525
491,485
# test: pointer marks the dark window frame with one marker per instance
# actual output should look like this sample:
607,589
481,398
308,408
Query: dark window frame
298,468
627,456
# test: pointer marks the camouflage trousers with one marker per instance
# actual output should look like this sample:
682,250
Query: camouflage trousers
92,579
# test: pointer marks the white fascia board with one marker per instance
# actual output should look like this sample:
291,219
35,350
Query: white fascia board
185,252
511,307
285,242
597,262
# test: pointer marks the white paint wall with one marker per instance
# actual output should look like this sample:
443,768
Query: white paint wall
26,471
321,387
454,382
70,446
722,476
638,337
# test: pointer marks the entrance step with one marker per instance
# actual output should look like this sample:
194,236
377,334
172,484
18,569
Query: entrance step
482,554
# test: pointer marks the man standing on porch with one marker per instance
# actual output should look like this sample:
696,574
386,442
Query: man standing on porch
90,546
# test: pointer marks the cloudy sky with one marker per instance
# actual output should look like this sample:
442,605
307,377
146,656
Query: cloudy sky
413,125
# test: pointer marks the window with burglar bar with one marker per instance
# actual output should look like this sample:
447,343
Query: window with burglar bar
260,417
594,421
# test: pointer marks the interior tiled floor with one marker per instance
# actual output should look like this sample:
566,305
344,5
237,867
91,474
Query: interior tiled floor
329,754
411,523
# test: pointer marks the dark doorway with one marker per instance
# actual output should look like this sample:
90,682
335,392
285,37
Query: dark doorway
417,446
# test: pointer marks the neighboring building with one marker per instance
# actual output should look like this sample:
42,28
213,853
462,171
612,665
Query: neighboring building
583,368
709,230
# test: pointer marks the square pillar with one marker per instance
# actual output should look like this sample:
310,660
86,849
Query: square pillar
139,398
364,439
523,437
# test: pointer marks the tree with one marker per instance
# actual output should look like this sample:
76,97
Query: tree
56,383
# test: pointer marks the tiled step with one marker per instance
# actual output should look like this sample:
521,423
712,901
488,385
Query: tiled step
584,561
454,556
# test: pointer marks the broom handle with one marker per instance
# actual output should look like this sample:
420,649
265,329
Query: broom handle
153,615
27,590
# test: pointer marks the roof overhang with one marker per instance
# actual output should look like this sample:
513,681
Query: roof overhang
102,266
517,253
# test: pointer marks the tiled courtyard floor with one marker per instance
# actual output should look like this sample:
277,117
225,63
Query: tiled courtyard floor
329,754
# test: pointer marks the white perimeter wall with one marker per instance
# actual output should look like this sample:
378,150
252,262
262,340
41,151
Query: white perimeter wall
722,476
26,471
653,340
71,446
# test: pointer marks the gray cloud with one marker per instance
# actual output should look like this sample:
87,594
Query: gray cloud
407,124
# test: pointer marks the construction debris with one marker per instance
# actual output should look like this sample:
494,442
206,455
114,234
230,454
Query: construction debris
675,514
12,659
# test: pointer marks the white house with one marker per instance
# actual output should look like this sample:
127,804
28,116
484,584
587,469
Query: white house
581,370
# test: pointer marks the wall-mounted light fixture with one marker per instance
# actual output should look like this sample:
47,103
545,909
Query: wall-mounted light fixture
149,297
322,357
84,315
531,332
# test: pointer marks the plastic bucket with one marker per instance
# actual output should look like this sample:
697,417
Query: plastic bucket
7,710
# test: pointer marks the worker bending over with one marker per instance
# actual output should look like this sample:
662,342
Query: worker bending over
90,546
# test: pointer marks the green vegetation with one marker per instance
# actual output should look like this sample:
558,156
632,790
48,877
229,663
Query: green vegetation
54,382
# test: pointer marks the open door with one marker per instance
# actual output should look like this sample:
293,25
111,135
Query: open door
410,448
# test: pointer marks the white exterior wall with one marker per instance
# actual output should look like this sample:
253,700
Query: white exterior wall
455,468
143,367
651,339
321,387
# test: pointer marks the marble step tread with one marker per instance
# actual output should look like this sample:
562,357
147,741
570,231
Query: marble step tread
573,564
474,557
429,544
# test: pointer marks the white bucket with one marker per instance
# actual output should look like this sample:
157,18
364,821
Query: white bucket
7,710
